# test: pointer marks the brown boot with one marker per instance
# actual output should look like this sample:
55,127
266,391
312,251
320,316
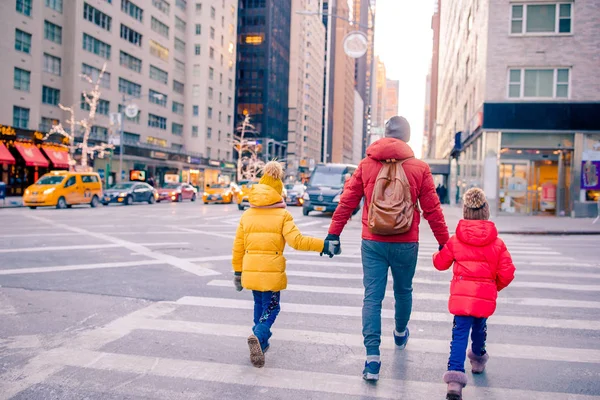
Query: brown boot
257,357
478,362
456,381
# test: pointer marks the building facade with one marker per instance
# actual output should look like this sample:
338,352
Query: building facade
392,92
519,93
378,105
175,61
432,86
263,70
359,122
307,74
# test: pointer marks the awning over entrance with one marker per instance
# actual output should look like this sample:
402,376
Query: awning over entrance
32,155
5,156
58,156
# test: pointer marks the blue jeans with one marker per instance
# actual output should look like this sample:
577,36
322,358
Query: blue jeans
266,309
377,259
460,339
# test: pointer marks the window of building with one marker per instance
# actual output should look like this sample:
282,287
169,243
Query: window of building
210,93
94,73
177,146
102,107
52,64
221,60
22,41
213,12
96,17
177,129
210,112
135,120
220,78
211,73
179,45
56,5
212,33
219,136
130,88
196,70
96,46
159,51
132,138
180,66
209,133
162,5
230,84
178,108
24,7
229,119
194,130
197,49
229,102
131,36
178,87
230,29
52,32
50,96
157,98
222,22
46,124
159,27
155,121
198,29
130,62
159,75
180,24
541,18
195,110
22,79
220,97
212,53
196,90
538,83
132,10
182,4
100,133
208,151
198,8
20,116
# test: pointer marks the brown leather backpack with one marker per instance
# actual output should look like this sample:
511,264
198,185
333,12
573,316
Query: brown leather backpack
391,211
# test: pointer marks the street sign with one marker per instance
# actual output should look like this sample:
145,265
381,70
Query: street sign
356,44
115,118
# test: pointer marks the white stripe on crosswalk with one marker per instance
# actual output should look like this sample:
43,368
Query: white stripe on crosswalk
538,302
278,378
305,224
318,309
60,268
84,247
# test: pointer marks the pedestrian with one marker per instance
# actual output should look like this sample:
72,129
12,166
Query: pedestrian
397,248
151,181
258,261
482,267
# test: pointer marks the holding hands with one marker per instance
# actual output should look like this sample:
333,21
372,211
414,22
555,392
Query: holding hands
332,246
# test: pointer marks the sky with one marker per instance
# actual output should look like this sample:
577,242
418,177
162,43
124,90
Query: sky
403,41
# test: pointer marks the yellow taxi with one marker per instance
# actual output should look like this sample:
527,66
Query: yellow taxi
217,193
63,189
241,197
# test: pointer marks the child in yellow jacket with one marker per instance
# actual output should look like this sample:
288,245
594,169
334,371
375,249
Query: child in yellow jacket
258,261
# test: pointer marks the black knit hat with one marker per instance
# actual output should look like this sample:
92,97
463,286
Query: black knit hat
475,205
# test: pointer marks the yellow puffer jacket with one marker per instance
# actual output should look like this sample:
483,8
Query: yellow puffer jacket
260,240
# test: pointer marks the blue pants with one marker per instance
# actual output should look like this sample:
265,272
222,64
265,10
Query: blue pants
460,339
266,309
377,259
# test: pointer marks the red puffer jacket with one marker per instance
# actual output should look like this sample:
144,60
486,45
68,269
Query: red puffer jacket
482,267
362,183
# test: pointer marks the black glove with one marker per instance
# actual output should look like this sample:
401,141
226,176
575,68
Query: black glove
332,246
441,247
237,281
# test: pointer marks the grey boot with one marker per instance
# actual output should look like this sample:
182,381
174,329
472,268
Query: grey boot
478,362
456,381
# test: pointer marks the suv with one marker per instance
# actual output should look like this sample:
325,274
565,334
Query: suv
325,187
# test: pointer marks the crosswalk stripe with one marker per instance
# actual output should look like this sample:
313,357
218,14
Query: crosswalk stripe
61,268
538,302
389,314
84,247
278,378
305,224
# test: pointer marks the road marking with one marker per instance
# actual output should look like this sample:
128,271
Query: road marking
85,247
209,233
278,378
60,268
208,259
305,224
137,248
537,302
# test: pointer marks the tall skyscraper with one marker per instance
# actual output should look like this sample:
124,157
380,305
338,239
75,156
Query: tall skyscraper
392,91
263,70
432,86
378,106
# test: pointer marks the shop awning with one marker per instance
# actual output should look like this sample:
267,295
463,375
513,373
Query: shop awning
58,156
5,156
32,155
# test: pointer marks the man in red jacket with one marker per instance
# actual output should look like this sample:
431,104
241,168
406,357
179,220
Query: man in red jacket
398,252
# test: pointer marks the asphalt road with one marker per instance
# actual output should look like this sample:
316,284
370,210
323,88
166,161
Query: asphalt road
137,303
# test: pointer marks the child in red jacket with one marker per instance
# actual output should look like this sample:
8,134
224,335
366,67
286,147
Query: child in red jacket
482,267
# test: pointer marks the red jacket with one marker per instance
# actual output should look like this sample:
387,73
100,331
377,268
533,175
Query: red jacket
362,183
482,268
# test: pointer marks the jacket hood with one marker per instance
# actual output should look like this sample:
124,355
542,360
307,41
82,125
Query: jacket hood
476,232
388,149
263,195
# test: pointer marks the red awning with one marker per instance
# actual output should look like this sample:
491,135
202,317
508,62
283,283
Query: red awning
58,156
32,155
5,156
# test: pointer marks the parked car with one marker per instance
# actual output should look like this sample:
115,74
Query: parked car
177,192
295,192
128,193
217,193
242,196
64,189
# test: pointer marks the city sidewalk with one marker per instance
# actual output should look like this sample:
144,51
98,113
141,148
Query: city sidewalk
531,225
11,202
